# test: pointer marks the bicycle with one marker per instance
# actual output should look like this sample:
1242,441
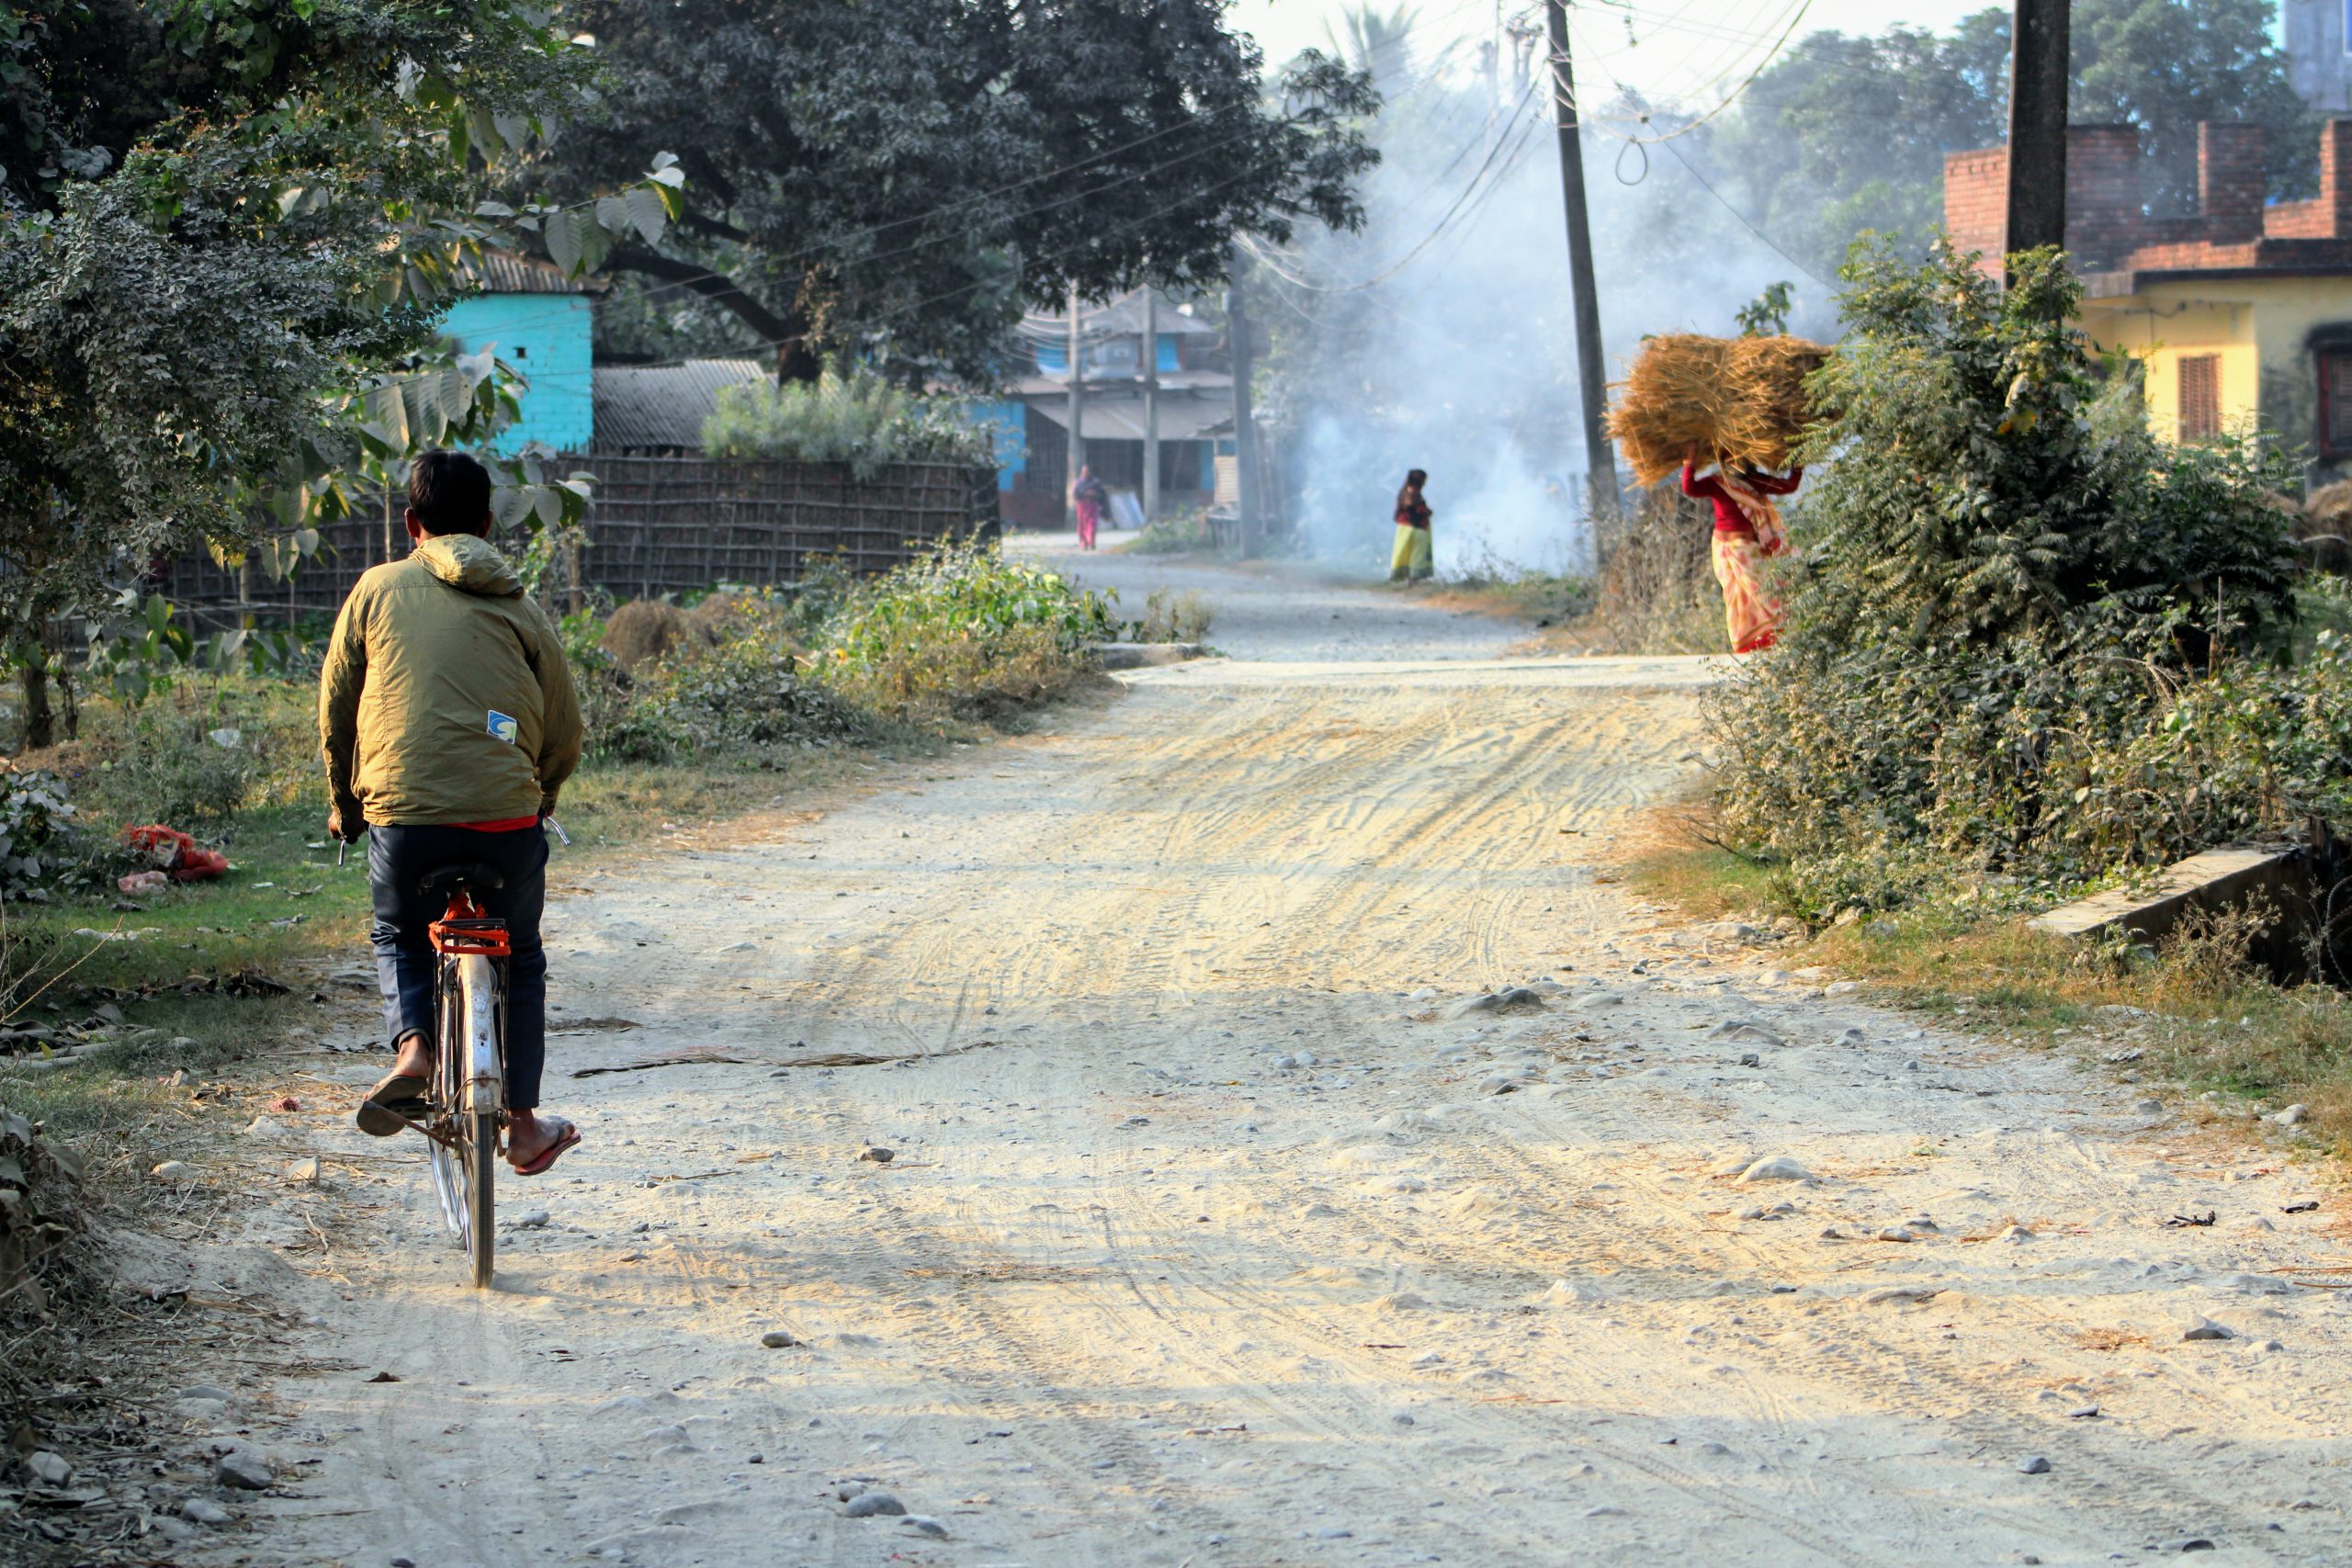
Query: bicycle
465,1119
465,1116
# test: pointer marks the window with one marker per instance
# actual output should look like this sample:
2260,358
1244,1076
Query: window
2201,396
2336,401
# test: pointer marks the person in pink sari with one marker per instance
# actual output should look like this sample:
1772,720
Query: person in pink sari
1088,498
1747,530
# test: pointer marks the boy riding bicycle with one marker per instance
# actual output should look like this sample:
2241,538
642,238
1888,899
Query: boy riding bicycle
448,721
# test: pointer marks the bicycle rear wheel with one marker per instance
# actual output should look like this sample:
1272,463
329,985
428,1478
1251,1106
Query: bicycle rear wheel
446,1116
481,1143
481,1020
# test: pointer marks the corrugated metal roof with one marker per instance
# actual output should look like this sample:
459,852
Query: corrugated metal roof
504,272
1182,416
642,408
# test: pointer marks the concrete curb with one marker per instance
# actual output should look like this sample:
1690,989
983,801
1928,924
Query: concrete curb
1143,655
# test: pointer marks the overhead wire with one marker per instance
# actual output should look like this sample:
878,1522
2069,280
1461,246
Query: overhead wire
1444,219
1723,105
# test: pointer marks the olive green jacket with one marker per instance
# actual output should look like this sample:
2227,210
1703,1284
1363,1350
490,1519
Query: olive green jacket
445,698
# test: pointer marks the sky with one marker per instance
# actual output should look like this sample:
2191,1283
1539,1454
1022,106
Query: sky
1671,49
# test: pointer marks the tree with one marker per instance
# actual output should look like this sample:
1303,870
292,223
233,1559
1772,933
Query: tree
227,228
2164,66
902,177
1844,135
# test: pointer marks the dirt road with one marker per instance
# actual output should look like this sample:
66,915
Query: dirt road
1221,1229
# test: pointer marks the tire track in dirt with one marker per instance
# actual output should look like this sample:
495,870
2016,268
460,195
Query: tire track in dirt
1127,1227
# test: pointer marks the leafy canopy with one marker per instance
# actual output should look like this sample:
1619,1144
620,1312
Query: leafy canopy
901,178
226,229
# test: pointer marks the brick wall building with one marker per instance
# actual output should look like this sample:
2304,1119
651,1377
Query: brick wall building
2242,314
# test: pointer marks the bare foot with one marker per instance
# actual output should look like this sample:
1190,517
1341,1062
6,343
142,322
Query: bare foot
529,1135
416,1056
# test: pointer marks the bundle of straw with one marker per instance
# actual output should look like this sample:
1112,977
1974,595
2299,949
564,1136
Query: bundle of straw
1737,399
1676,397
1770,410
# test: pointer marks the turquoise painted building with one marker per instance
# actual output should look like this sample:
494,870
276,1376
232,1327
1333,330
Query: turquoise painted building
543,324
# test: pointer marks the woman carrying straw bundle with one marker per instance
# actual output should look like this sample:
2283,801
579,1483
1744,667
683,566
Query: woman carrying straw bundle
1747,529
1413,560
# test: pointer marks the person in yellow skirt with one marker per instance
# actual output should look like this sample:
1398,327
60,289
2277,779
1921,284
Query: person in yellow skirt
1412,560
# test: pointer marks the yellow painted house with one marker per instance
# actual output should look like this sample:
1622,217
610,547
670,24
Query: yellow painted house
2242,314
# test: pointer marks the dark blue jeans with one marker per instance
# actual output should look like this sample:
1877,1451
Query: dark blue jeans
397,858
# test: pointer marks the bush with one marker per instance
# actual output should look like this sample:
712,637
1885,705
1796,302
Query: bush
2028,646
962,630
37,839
733,682
1175,533
1657,592
1993,479
858,419
730,705
165,768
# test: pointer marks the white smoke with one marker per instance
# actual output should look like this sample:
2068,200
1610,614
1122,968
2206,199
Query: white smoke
1463,362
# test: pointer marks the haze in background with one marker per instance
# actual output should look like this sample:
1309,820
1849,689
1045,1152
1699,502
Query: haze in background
1441,336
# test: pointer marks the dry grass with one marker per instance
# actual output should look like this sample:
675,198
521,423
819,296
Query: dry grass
1656,591
1676,397
1734,400
2206,1019
644,629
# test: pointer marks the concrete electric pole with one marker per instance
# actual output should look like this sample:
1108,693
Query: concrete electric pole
1245,429
2038,76
1592,386
1077,413
1150,368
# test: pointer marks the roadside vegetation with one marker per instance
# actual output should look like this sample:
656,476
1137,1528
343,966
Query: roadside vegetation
2031,651
856,418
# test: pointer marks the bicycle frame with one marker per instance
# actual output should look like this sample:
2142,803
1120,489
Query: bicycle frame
469,943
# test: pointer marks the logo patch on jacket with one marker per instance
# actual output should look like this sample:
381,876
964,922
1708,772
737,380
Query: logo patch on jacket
502,727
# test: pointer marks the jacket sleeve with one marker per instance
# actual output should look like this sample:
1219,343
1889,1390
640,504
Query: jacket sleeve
1694,486
558,717
341,678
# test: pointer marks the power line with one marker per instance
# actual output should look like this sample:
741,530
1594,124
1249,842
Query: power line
1690,169
1517,113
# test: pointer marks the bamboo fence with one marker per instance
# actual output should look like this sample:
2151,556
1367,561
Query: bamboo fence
661,526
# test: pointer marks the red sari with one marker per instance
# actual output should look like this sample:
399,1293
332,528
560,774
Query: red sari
1747,530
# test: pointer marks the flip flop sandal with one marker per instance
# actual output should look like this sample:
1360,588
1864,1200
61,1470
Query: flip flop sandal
548,1156
397,1099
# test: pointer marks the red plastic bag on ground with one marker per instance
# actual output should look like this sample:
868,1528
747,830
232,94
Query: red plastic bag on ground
174,854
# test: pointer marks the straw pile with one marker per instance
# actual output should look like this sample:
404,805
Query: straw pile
1737,399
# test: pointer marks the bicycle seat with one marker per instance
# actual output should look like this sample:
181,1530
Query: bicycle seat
480,878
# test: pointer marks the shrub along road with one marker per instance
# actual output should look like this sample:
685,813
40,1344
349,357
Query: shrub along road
1237,1212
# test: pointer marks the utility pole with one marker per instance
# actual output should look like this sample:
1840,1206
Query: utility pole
1245,429
2038,72
1592,387
1150,403
1077,412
